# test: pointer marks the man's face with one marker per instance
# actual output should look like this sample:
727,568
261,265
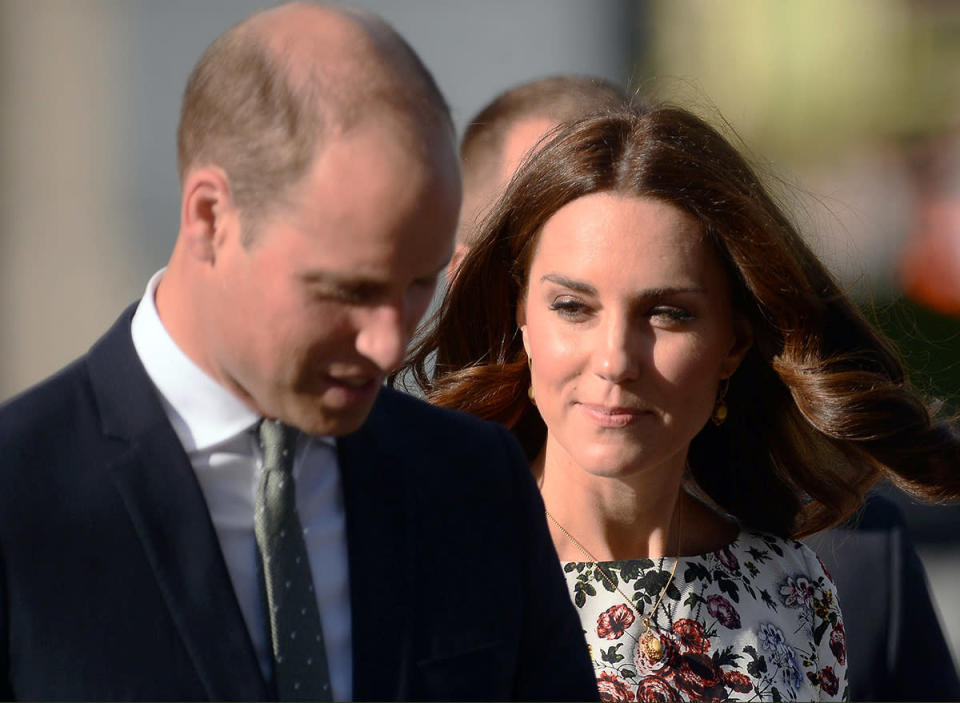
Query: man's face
519,141
309,318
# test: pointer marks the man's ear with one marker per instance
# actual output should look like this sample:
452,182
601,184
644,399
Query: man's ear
458,253
207,213
742,341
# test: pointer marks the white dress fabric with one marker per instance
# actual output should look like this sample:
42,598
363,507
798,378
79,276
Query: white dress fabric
756,620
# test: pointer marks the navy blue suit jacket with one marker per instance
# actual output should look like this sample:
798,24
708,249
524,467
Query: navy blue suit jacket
113,586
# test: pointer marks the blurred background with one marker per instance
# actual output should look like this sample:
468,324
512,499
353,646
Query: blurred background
852,110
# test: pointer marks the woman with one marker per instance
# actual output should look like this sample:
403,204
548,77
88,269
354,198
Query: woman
694,392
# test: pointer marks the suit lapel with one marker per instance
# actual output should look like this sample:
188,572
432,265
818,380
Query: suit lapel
167,508
378,499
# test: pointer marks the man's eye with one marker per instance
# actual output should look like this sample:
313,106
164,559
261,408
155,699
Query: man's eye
428,282
332,295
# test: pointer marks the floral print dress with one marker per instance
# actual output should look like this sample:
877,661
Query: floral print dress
755,621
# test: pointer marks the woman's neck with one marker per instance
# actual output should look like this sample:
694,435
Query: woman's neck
628,515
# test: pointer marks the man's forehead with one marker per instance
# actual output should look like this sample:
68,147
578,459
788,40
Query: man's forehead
520,139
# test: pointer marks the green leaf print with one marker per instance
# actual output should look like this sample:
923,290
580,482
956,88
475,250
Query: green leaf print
612,656
598,574
730,588
818,633
629,571
696,571
726,657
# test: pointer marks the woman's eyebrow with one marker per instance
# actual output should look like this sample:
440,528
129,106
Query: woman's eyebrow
570,283
586,288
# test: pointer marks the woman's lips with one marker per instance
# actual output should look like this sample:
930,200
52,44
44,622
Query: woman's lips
613,416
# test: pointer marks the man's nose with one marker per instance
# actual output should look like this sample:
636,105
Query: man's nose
383,336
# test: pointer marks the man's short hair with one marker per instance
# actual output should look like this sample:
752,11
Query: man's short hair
557,98
251,110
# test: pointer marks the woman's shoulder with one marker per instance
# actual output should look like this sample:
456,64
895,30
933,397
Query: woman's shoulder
772,553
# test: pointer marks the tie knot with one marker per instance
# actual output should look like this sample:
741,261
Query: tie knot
277,441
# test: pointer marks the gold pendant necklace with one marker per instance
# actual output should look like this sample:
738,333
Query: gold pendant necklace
649,642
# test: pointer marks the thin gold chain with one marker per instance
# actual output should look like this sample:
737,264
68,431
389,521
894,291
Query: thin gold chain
591,558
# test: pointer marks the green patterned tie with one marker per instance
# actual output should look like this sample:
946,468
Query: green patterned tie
296,635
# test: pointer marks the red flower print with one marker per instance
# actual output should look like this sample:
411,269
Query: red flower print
838,643
690,634
655,688
613,688
720,608
614,621
738,681
795,592
824,567
728,559
700,678
829,682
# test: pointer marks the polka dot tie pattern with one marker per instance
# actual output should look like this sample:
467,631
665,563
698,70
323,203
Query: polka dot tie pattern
296,634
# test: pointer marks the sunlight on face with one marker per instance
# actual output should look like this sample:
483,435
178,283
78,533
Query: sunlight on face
628,322
320,308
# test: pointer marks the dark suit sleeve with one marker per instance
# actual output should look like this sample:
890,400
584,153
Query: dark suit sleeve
897,649
923,667
6,687
555,664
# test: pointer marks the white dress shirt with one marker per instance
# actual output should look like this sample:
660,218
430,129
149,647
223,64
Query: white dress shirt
215,428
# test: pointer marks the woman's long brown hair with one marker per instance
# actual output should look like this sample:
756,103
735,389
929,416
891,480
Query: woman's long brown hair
820,409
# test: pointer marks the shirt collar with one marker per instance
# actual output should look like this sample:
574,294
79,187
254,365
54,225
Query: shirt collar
203,413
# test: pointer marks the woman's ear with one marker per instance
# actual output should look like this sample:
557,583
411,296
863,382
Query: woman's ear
522,324
207,213
742,341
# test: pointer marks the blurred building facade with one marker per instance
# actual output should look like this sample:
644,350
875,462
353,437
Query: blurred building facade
89,199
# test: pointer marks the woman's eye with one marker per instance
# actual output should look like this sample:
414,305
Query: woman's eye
671,314
569,308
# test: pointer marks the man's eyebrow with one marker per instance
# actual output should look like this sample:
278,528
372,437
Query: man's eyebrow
337,280
350,282
587,289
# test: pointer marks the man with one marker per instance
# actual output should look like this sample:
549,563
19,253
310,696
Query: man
163,532
502,133
897,649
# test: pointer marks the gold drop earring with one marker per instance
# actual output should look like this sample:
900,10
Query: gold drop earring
720,409
530,387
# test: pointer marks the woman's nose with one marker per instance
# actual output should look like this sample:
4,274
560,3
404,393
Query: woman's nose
616,355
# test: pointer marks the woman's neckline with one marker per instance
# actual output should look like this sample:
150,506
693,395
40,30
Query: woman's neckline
740,533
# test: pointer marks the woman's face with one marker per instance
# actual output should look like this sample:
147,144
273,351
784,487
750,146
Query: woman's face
628,323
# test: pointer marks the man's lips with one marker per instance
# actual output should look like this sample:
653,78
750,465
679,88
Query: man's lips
354,382
351,390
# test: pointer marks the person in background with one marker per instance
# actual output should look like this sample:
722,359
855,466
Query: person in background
502,133
220,500
695,393
897,649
